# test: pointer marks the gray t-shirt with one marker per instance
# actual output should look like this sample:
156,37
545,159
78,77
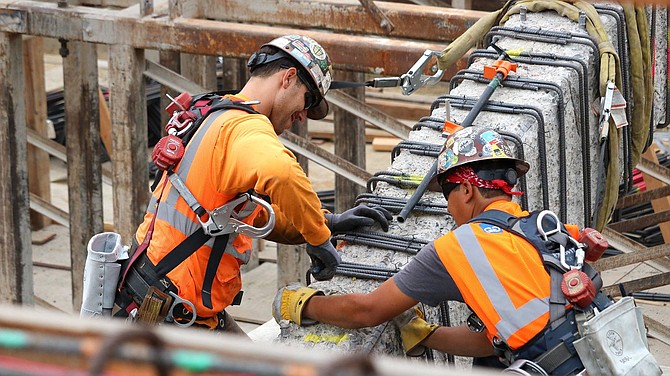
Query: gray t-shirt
426,279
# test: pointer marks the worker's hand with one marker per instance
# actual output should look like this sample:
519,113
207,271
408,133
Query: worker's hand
413,330
325,260
290,301
359,216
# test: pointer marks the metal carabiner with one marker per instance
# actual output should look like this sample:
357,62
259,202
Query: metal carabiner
219,218
540,229
222,220
415,79
249,230
545,234
176,301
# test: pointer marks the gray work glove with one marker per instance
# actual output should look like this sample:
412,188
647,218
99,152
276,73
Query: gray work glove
325,260
359,216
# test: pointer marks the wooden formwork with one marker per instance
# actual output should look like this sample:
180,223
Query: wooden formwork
232,28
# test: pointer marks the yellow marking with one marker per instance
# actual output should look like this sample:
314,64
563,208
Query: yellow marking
334,338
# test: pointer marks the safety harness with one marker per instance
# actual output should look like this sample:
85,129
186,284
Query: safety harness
145,292
572,282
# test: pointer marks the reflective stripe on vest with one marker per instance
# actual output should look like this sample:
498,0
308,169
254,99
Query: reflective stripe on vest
183,223
512,318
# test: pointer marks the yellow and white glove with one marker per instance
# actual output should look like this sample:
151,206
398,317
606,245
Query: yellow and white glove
290,301
413,330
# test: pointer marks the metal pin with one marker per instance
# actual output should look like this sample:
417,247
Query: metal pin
582,20
522,13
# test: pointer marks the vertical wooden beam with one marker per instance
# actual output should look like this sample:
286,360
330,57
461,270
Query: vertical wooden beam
172,61
200,69
292,260
235,73
36,119
16,268
82,117
128,109
349,138
661,204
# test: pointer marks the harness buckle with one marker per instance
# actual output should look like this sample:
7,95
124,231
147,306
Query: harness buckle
175,302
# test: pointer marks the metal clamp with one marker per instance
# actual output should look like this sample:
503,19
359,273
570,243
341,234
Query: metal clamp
222,220
176,301
415,79
606,110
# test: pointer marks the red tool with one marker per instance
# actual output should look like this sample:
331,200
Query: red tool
595,242
578,288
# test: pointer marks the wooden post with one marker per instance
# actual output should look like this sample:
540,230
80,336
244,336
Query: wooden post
235,73
39,181
661,204
292,260
129,121
82,115
16,268
200,69
172,61
349,142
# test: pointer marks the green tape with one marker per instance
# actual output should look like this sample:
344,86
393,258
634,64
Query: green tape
193,361
13,339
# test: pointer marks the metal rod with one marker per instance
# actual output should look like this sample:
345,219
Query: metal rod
469,119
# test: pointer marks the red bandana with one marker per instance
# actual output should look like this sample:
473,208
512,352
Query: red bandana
465,173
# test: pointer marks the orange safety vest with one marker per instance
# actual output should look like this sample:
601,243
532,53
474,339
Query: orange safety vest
500,276
175,221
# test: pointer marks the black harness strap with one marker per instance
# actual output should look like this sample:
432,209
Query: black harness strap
218,249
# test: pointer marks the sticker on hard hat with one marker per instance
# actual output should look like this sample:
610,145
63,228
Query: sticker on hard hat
449,159
318,52
490,229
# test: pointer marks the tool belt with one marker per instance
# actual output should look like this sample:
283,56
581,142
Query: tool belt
152,298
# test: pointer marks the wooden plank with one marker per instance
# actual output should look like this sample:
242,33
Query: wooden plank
259,291
388,56
39,182
200,69
105,123
640,284
661,204
129,146
402,109
16,272
349,142
385,143
172,61
348,16
82,114
292,264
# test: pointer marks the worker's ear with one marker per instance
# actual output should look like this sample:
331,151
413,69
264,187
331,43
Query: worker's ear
468,191
288,76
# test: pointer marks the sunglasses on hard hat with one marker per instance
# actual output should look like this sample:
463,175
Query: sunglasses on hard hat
311,98
447,187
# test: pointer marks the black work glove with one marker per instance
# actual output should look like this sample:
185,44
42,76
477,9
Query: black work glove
359,216
325,260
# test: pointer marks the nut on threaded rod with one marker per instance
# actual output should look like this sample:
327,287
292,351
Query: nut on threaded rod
284,328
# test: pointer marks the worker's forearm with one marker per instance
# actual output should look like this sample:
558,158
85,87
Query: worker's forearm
459,340
346,311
